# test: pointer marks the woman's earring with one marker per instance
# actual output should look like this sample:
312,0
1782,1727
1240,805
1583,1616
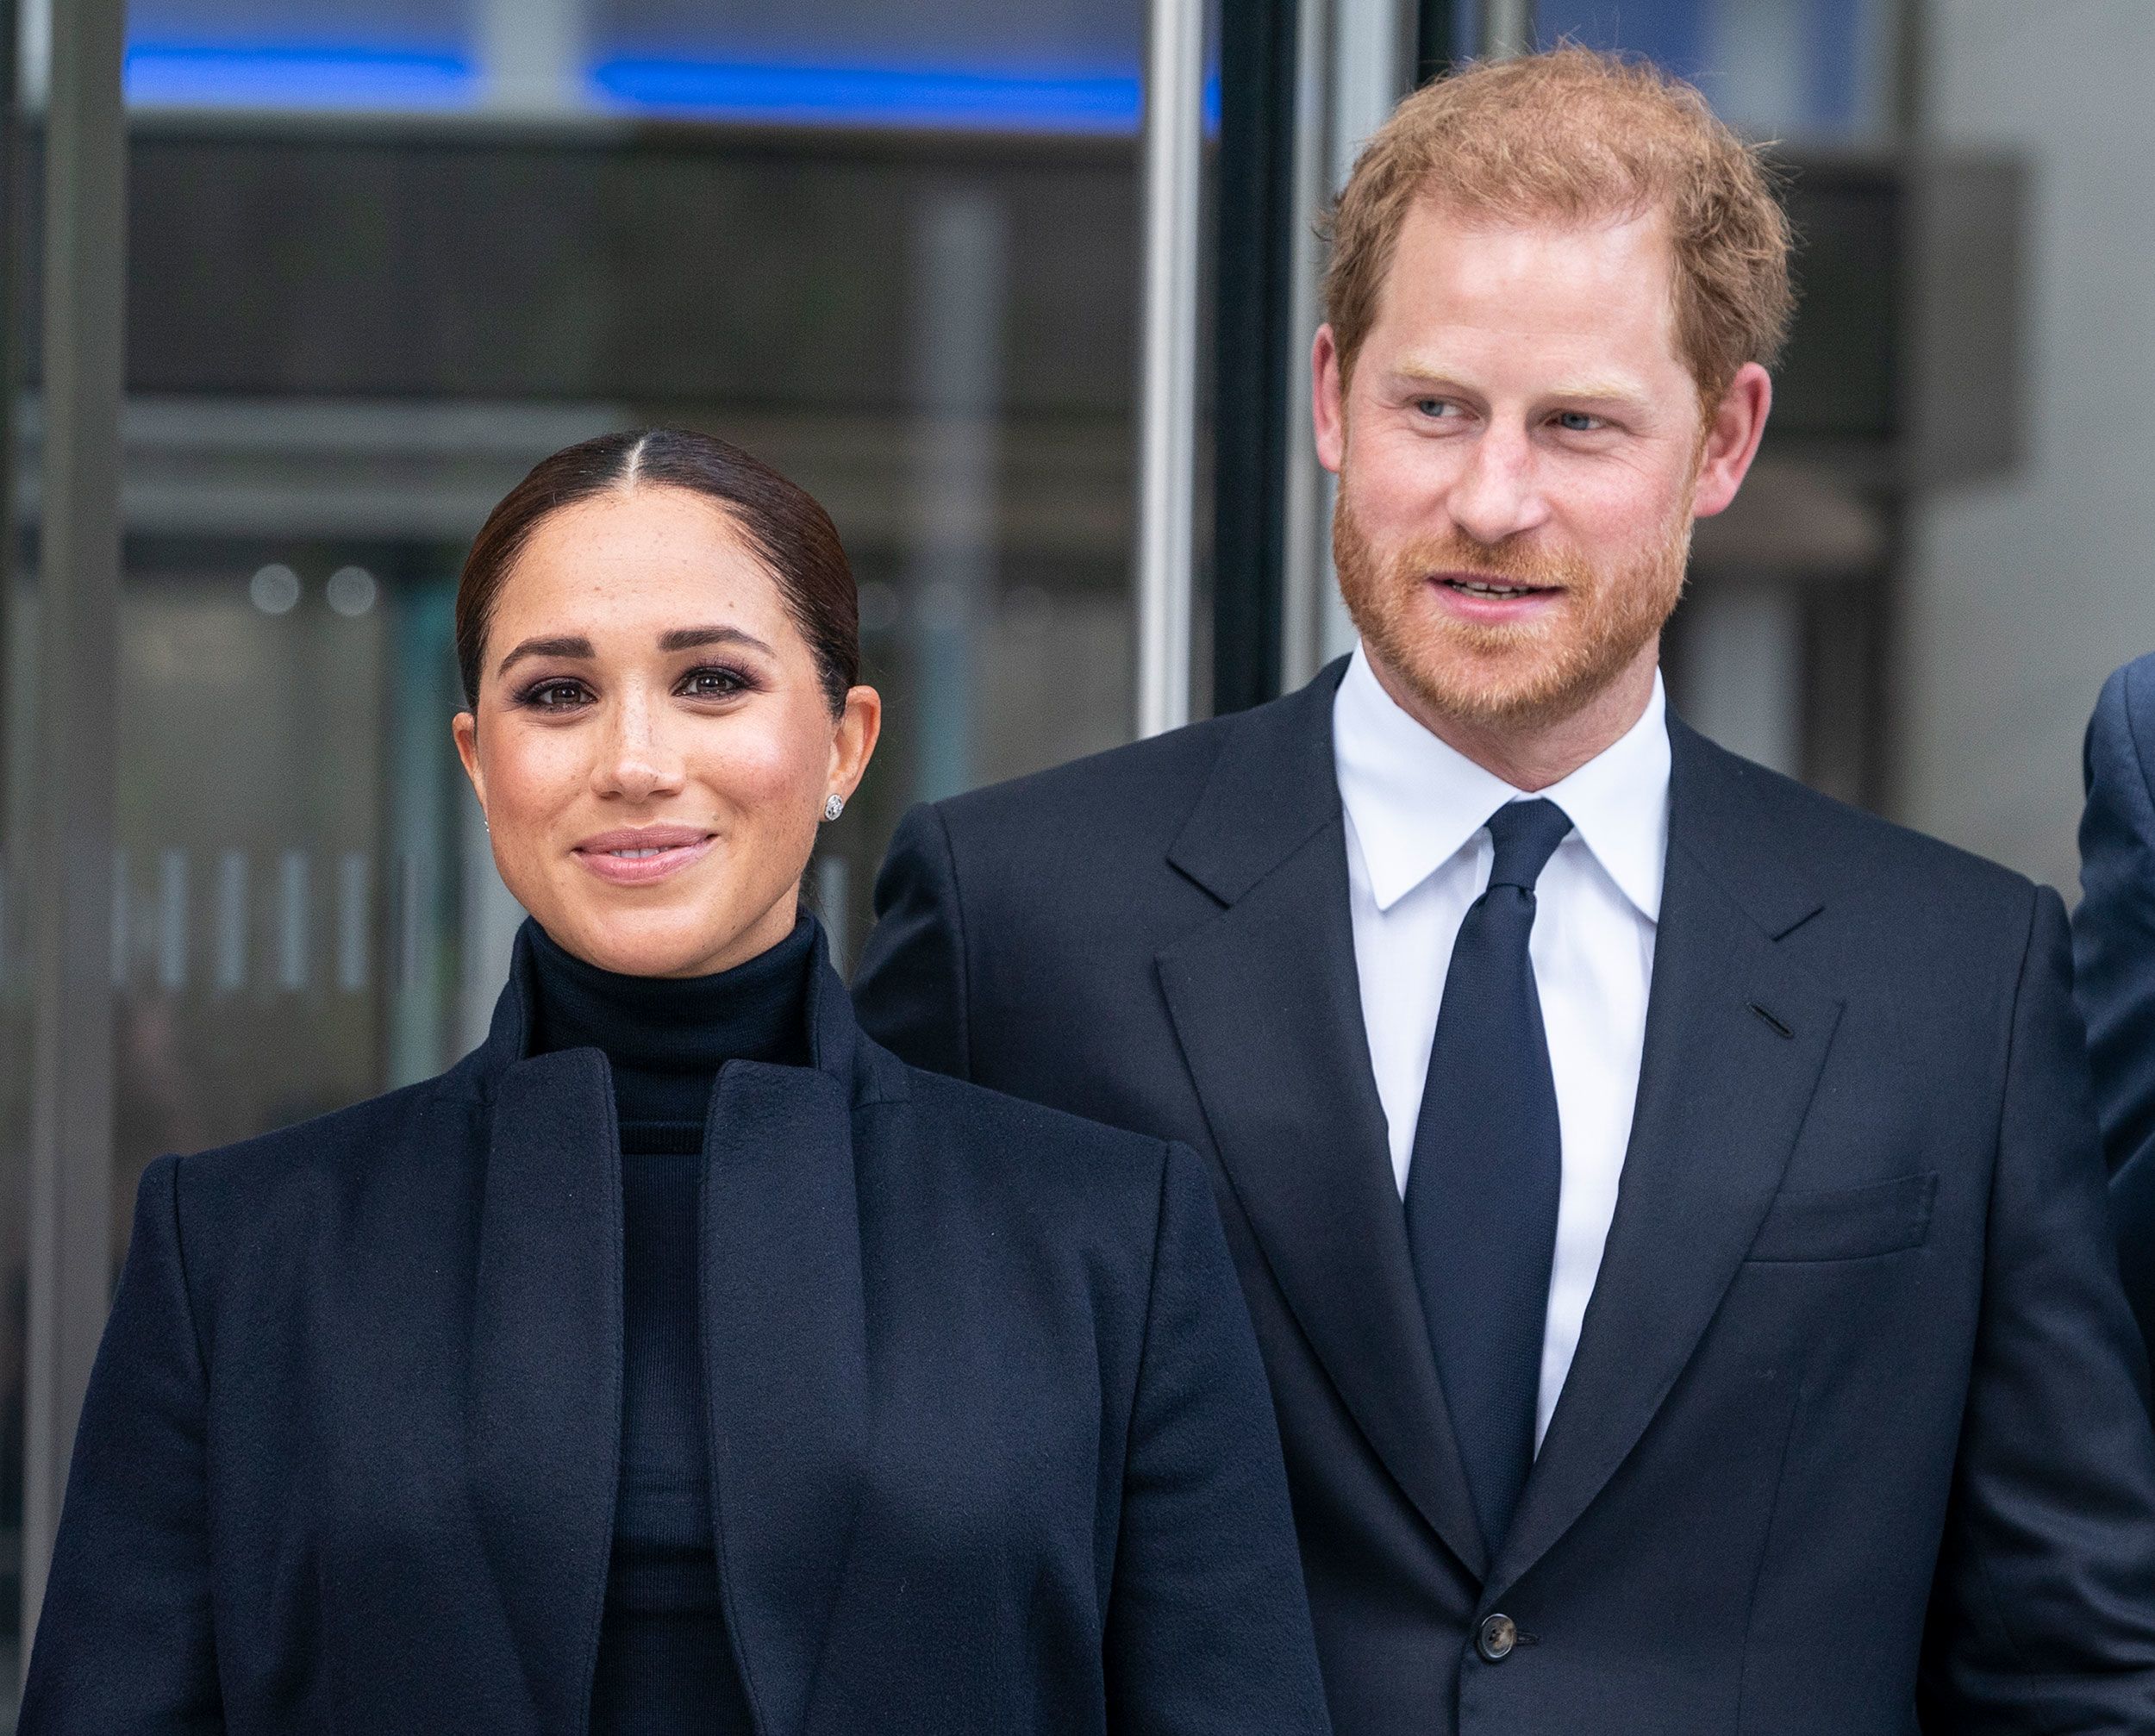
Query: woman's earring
835,807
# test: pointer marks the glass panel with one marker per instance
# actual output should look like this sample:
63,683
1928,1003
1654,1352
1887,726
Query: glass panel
893,254
336,53
1806,70
1067,66
17,700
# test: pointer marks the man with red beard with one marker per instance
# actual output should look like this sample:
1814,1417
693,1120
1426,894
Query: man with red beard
1668,1201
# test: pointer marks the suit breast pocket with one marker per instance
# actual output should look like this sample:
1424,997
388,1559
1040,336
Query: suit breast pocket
1847,1223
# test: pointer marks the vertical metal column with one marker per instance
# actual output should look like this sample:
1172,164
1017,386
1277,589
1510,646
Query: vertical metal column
1254,342
1436,38
1167,380
12,231
1305,569
1369,59
960,274
531,55
1508,28
71,1180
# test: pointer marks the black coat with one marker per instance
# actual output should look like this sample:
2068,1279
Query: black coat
1854,1428
2113,949
991,1446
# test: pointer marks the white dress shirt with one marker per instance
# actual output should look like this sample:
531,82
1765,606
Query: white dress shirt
1418,855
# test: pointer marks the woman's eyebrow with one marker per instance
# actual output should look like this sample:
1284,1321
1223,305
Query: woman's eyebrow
571,645
694,637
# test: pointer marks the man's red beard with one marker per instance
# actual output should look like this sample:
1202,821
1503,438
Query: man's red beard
1506,674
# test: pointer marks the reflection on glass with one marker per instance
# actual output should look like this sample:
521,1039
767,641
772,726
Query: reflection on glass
899,264
896,257
1804,69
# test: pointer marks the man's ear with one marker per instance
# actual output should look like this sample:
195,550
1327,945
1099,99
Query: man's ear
1733,434
1328,399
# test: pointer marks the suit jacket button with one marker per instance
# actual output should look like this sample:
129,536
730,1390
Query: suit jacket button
1494,1638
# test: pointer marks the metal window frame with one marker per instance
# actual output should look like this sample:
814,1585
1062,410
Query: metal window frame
78,594
1255,345
1167,382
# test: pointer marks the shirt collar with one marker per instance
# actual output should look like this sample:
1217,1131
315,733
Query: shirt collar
1416,801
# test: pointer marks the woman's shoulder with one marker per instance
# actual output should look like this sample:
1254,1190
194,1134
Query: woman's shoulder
332,1152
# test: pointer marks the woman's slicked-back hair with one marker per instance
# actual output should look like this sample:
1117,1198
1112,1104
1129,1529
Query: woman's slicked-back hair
782,522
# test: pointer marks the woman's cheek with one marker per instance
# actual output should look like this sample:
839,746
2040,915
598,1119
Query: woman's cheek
542,770
760,768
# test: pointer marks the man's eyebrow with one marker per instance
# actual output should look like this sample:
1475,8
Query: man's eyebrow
571,645
1593,390
694,637
1587,388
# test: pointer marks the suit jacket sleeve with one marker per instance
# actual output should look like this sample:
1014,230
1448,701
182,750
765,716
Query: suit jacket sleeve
2113,929
125,1645
910,989
2113,961
1207,1630
2042,1616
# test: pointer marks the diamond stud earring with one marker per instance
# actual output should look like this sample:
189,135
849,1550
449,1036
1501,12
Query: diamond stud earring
833,808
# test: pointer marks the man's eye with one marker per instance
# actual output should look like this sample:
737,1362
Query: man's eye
1433,406
1578,421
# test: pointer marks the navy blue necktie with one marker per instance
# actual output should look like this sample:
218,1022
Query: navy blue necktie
1487,1169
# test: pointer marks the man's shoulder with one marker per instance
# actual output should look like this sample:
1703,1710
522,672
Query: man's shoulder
1160,771
1138,797
1848,852
2121,741
2130,689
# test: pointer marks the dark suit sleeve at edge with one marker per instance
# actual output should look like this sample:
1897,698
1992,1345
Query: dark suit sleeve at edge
2114,972
2043,1609
2113,929
910,991
125,1643
1207,1630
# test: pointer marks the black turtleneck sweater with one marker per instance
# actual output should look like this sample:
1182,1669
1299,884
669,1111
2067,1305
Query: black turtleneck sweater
665,1665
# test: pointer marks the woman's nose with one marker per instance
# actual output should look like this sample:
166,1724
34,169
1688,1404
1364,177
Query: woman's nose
639,760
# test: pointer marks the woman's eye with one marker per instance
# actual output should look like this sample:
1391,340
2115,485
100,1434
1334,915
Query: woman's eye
712,683
556,695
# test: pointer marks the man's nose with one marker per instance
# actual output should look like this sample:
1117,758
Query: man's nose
1498,495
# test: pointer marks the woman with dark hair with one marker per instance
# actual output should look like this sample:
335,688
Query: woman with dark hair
680,1360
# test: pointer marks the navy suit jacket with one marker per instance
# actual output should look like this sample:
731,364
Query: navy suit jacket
990,1446
2114,958
1855,1431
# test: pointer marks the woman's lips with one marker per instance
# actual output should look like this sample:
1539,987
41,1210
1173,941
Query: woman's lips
637,856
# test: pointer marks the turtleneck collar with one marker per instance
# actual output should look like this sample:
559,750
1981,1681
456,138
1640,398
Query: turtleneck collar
665,1038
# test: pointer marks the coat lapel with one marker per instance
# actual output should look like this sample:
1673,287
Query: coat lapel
1265,1002
544,1417
1736,1034
785,1350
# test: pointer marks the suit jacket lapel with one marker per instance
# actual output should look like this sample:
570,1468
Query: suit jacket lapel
544,1406
1264,1001
785,1349
1736,1033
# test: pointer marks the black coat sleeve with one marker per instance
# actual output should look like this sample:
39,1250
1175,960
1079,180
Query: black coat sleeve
910,991
2113,967
2043,1609
2113,929
1208,1629
125,1646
